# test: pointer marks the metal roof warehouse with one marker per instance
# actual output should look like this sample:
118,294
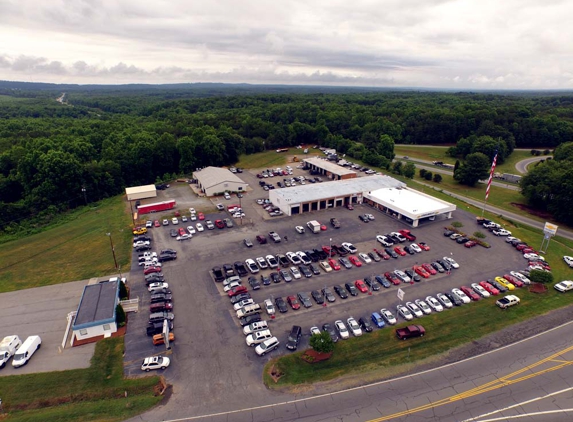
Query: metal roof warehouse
215,181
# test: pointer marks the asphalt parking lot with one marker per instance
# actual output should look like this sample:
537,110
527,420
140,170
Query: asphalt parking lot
211,364
42,311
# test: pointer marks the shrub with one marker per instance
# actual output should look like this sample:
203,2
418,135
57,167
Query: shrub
322,343
437,178
479,235
120,315
457,224
540,276
428,176
423,172
122,290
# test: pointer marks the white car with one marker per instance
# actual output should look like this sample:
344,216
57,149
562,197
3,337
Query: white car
239,215
200,227
455,236
412,307
255,326
520,276
262,263
252,265
404,313
365,258
183,237
564,286
174,220
269,307
461,295
404,278
151,263
242,303
568,260
354,327
325,266
155,362
193,217
191,229
295,272
444,300
231,285
272,261
451,261
314,330
511,239
423,306
342,330
157,286
192,211
370,217
304,257
384,241
480,290
299,229
165,222
533,257
415,248
229,280
183,218
501,232
149,224
220,207
398,236
294,258
141,243
349,247
227,196
388,316
434,304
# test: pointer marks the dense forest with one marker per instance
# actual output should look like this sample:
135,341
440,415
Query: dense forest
104,138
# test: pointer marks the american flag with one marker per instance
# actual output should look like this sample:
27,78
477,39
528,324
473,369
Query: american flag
491,175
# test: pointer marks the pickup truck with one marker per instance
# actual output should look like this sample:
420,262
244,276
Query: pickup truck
146,256
275,236
410,331
507,301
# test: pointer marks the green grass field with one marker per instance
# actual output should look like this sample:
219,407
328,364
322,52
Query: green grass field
93,394
271,159
75,249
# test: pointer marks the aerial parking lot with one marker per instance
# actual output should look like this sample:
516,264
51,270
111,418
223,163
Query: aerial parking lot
209,341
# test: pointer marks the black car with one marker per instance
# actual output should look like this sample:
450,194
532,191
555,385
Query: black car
142,248
265,279
365,324
331,332
240,297
281,305
294,337
414,276
156,328
317,296
313,256
437,267
328,295
314,268
383,281
321,254
364,218
462,239
168,251
160,297
241,269
340,291
254,283
448,233
373,284
173,233
345,263
275,277
498,286
409,250
374,256
157,279
249,319
351,289
142,238
166,257
444,264
305,271
339,250
304,298
335,223
454,299
391,253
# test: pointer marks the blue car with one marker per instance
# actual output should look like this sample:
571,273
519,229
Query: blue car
383,281
377,320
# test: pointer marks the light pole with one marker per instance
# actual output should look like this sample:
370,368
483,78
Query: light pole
85,195
240,195
330,249
113,253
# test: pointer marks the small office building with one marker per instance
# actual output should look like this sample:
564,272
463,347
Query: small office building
95,317
328,169
140,192
213,181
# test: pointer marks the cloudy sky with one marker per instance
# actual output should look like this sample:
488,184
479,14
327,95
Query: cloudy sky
458,44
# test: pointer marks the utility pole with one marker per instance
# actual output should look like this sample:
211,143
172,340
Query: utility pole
113,251
85,195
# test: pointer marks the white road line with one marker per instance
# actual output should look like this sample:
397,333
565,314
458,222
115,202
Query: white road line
525,415
250,409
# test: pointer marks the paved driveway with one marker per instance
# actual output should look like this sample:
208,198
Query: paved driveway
213,369
42,311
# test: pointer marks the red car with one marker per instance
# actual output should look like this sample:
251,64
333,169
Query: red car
181,231
333,264
529,250
177,214
424,246
151,270
421,271
361,285
391,277
488,287
429,268
328,250
237,291
220,224
156,223
400,251
293,302
382,254
201,216
470,292
513,280
261,239
349,206
539,263
407,234
470,244
355,261
521,246
322,227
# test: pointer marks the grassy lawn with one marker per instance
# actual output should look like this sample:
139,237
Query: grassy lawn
445,330
93,394
430,153
75,249
270,159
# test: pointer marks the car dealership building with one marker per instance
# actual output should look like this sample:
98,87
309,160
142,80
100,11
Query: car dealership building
383,193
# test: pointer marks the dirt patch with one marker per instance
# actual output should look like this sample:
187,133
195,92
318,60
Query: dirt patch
312,356
275,374
538,213
538,288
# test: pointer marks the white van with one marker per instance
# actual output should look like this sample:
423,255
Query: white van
8,347
249,310
26,350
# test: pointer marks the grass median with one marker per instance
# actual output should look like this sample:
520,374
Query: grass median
94,394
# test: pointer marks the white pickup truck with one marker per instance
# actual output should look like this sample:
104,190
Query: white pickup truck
507,301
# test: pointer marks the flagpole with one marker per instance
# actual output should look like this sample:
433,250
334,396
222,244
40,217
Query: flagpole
489,182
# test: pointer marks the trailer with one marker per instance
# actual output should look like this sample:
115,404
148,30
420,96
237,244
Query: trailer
156,207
